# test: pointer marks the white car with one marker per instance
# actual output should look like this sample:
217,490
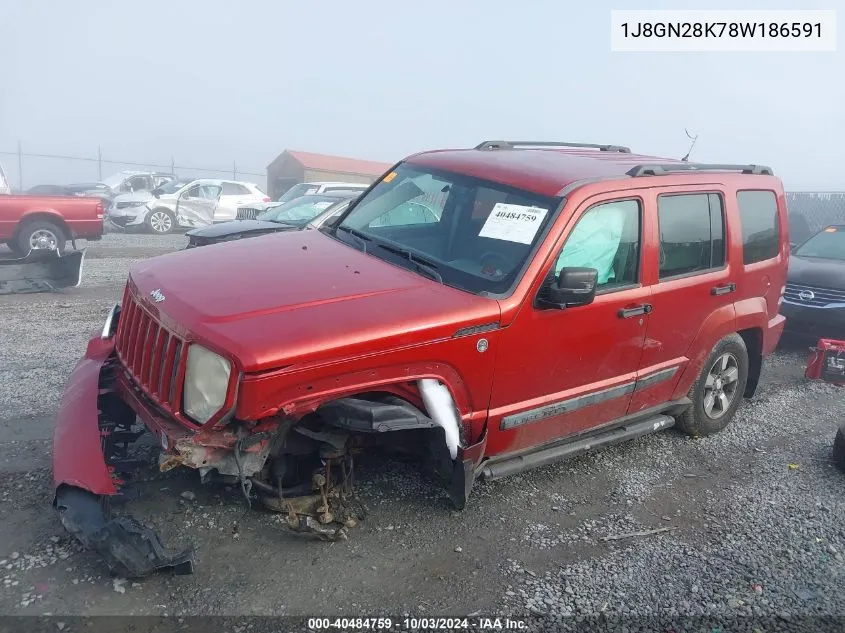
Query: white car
5,188
185,202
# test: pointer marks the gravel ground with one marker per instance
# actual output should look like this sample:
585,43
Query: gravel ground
743,527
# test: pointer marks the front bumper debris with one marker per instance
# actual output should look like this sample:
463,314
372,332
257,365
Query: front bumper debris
41,271
129,548
90,461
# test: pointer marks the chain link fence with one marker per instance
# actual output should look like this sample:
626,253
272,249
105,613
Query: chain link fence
27,169
809,212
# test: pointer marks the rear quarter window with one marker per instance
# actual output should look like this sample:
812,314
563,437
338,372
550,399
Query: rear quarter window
758,215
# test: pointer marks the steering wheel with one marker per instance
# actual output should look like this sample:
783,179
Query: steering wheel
495,258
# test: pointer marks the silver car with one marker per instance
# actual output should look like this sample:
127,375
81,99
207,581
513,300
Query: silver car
181,203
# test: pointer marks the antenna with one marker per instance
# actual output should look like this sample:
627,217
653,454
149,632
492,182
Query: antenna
694,139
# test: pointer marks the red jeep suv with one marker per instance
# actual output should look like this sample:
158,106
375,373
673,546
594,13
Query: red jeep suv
559,297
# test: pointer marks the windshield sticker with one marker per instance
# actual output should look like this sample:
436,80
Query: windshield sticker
513,223
389,176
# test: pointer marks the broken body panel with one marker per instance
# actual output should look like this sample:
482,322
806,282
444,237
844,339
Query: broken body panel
41,271
343,351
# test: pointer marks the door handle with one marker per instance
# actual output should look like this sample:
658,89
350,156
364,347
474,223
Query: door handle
723,290
627,313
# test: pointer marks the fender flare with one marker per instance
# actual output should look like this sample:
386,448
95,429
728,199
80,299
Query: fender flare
718,324
297,399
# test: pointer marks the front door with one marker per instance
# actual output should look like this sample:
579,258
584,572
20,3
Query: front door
197,205
562,371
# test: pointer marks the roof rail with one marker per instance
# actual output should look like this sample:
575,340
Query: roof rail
658,169
516,144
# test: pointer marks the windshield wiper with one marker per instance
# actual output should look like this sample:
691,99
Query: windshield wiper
422,264
363,238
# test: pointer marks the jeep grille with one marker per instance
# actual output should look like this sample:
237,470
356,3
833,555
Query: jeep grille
151,355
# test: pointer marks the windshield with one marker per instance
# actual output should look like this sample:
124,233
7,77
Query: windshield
469,233
173,186
829,244
115,179
296,191
299,211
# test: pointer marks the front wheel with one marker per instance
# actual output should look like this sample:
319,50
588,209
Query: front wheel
718,390
161,221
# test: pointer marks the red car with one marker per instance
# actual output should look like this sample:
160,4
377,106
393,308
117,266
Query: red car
37,229
48,222
565,297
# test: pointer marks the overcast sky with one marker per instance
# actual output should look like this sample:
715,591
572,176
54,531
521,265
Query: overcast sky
215,81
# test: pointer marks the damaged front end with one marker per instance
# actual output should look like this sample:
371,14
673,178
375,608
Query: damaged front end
41,271
90,459
300,464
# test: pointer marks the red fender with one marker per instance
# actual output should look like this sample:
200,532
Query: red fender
77,452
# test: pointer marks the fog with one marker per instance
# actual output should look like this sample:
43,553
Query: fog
208,83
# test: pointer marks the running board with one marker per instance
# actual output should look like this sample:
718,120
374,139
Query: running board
575,447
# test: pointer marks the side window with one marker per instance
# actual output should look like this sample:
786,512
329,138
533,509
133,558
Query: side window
758,215
607,238
209,192
193,192
692,233
234,189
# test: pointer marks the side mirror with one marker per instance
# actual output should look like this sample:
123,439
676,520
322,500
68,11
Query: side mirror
156,192
571,288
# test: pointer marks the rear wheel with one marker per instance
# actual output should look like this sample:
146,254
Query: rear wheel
41,235
718,390
161,221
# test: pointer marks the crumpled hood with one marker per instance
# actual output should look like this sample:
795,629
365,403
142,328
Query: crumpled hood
139,197
235,227
301,296
822,273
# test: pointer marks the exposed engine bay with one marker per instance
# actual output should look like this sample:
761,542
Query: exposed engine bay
306,469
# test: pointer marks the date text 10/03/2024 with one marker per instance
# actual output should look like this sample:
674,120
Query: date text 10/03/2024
722,29
416,624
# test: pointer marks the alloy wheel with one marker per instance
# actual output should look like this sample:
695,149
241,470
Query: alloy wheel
720,387
161,222
43,240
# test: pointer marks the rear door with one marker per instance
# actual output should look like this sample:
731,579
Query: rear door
232,196
691,284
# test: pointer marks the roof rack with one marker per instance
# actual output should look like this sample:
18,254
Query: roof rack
516,144
658,169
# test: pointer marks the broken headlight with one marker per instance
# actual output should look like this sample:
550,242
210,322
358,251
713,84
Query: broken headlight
206,383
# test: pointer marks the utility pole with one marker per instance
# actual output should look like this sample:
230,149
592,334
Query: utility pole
99,164
20,167
234,170
172,165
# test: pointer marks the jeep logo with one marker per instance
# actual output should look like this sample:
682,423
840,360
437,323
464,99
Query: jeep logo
806,295
157,295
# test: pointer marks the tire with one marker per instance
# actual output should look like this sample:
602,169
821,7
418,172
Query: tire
710,413
160,221
13,246
49,235
839,448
